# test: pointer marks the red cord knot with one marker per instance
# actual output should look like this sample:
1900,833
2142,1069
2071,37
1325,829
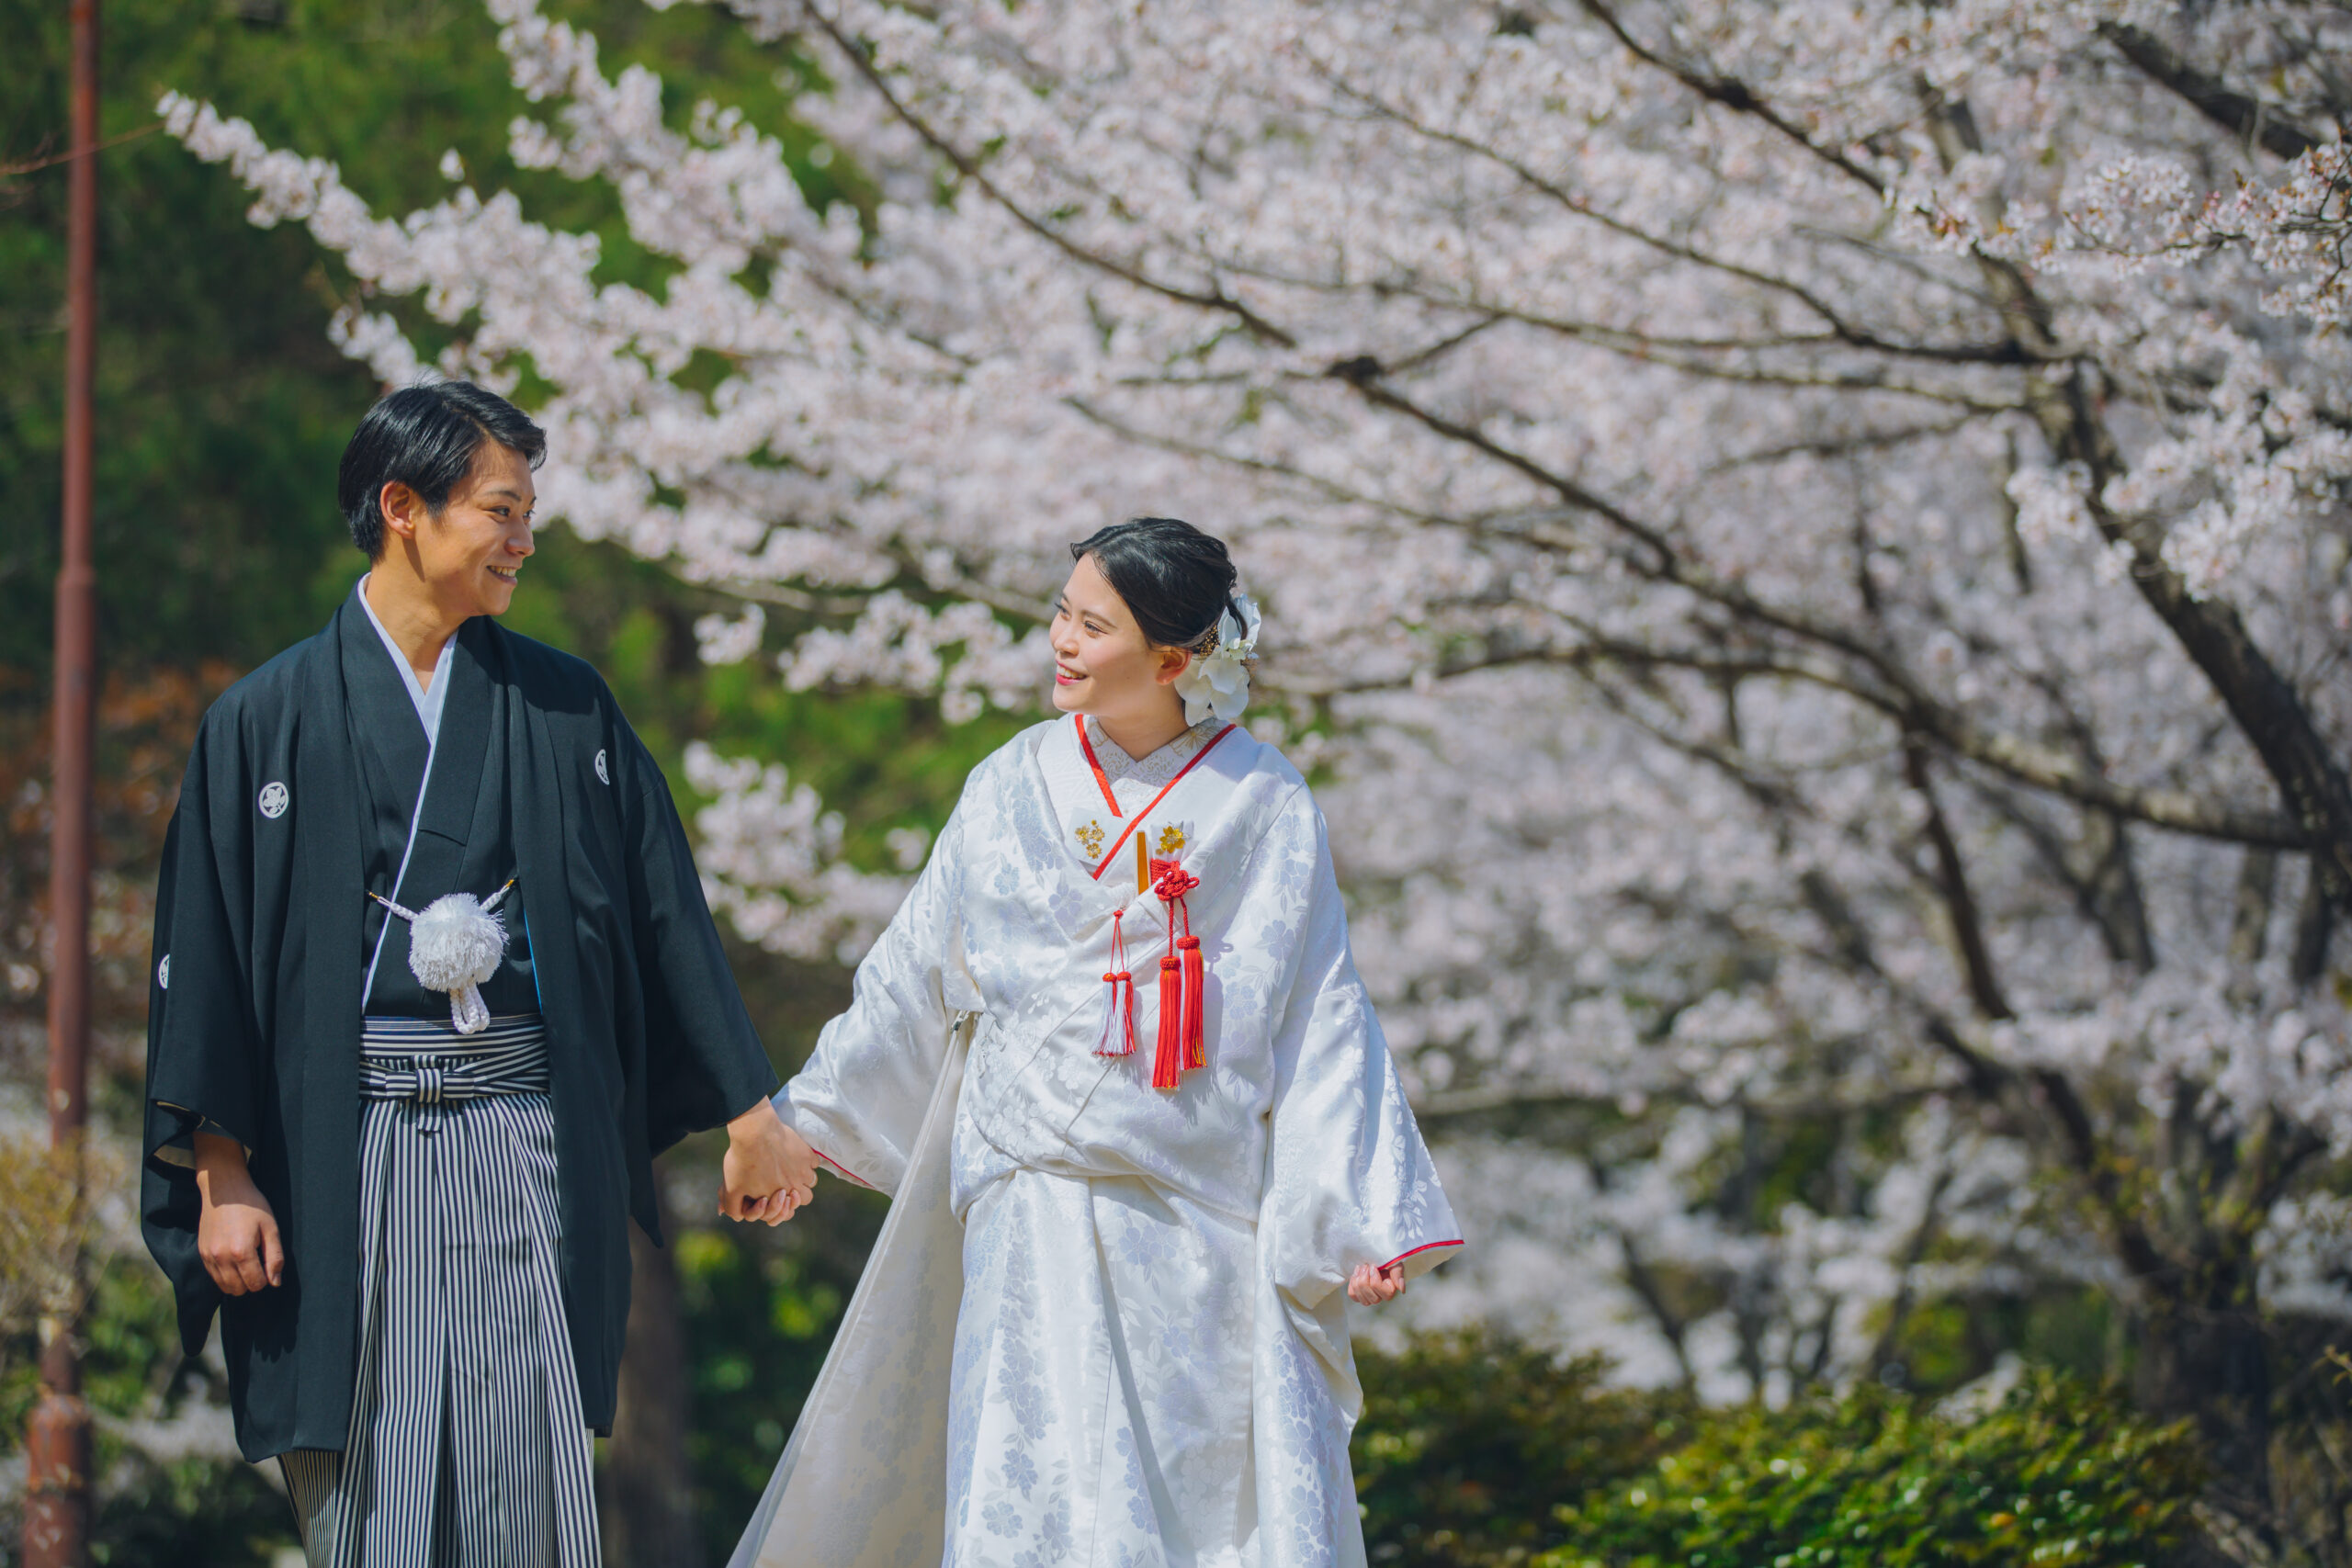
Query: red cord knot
1171,881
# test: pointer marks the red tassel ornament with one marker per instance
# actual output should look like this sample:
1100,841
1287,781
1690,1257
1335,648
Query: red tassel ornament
1119,1008
1167,1060
1195,978
1183,980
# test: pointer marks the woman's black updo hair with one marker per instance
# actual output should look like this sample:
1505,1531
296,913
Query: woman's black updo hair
1178,580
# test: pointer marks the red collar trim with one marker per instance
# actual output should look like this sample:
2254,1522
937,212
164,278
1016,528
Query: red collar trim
1099,777
1120,842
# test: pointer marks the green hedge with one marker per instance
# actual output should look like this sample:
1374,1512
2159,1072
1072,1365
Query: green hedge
1476,1452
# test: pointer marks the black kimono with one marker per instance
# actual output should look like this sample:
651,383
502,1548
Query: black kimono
297,804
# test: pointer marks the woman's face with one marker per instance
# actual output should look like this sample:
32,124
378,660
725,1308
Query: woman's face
1104,665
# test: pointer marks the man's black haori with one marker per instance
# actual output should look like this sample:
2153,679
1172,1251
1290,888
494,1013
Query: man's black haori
264,932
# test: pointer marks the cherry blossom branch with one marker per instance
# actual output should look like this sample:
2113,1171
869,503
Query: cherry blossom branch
1951,883
1438,1107
2241,114
2271,715
2028,763
1842,330
1732,94
1906,703
2050,1089
970,168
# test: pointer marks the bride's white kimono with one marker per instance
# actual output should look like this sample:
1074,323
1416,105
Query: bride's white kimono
1150,1362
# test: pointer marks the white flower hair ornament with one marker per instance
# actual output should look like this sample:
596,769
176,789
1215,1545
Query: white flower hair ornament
1217,682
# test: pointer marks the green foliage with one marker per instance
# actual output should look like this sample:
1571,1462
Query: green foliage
220,406
760,1311
1475,1452
1469,1441
187,1513
2054,1474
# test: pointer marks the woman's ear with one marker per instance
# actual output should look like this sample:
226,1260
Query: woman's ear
1173,662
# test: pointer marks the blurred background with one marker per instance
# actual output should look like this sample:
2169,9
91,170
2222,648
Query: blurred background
1862,952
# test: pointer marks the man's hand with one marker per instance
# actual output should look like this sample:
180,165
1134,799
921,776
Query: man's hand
769,1172
1369,1286
237,1234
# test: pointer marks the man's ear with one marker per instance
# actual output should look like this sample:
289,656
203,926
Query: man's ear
401,507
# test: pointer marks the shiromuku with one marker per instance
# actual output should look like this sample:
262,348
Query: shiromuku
1144,1139
434,979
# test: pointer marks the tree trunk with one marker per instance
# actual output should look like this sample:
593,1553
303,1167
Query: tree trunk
2203,1354
647,1498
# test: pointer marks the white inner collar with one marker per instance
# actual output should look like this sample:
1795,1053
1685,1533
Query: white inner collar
427,703
1155,770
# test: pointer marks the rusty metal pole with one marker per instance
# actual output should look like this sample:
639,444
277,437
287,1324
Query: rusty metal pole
57,1440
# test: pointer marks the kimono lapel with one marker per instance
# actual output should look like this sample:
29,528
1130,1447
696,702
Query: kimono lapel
1047,893
329,894
1208,792
446,809
541,826
389,744
441,809
1079,902
320,1050
485,699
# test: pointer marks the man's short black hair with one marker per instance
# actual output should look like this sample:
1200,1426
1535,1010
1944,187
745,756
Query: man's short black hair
425,437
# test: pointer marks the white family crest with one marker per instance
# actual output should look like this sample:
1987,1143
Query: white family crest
604,774
275,799
164,973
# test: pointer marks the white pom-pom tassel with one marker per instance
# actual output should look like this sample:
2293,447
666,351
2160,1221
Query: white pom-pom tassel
454,944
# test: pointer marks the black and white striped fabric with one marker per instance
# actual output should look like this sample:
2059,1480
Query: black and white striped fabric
466,1448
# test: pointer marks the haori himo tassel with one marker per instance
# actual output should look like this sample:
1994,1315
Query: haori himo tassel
1183,979
455,943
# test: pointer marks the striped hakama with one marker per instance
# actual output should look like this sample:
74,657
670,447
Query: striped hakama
467,1447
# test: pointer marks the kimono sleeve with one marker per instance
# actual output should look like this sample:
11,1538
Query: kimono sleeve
1348,1180
859,1102
703,1063
204,1065
202,1040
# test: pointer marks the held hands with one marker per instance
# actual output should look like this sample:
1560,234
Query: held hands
769,1172
236,1235
1369,1286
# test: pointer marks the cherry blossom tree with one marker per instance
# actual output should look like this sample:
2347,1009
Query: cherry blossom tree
1806,542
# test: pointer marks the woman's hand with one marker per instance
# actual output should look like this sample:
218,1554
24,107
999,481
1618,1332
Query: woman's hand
236,1235
1369,1286
769,1171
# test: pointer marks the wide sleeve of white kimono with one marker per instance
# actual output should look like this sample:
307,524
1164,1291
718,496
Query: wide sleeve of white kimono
1348,1182
1133,1217
860,1101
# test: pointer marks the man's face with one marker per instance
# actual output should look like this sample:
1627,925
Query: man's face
469,556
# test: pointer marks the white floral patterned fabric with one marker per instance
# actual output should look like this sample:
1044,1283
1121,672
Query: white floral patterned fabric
1151,1362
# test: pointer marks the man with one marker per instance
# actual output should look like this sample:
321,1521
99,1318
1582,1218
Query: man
435,980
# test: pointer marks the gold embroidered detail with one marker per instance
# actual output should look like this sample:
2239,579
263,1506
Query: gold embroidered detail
1171,838
1090,837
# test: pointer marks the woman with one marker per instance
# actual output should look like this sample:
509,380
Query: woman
1180,1145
